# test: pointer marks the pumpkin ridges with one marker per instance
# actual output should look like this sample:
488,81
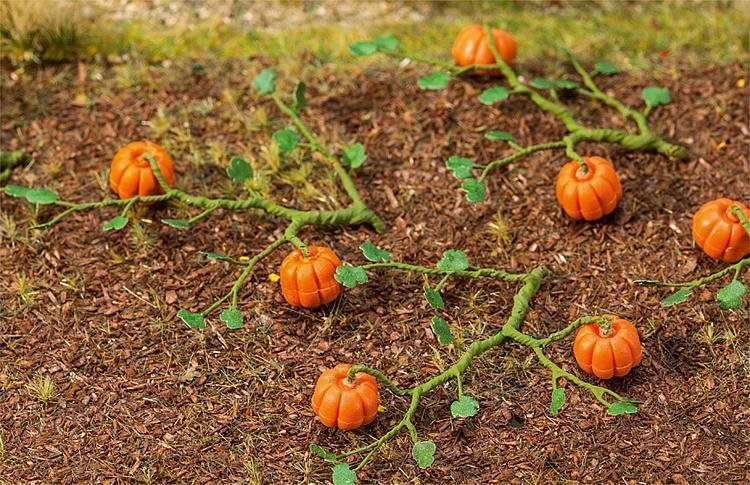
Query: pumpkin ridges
719,233
131,175
611,355
345,406
310,282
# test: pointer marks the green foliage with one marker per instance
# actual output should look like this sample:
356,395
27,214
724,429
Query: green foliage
730,297
232,318
239,170
622,407
475,190
434,81
193,320
423,453
605,68
434,298
465,407
676,297
441,330
461,167
265,81
299,97
354,155
343,475
383,43
499,136
318,450
351,276
558,401
453,260
286,140
654,96
176,223
115,224
493,95
541,83
34,196
374,253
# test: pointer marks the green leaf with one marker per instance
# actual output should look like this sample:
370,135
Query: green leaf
622,407
193,320
363,48
453,260
461,167
499,136
115,224
374,253
676,297
465,407
219,257
265,81
318,450
176,223
433,298
286,139
34,196
343,475
541,83
233,318
423,453
558,400
350,276
606,68
493,95
475,190
654,96
239,170
730,297
299,97
386,43
434,81
441,330
565,84
354,155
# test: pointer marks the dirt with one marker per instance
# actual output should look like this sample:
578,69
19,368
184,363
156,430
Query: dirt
142,397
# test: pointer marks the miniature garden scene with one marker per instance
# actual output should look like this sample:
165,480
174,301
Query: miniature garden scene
365,242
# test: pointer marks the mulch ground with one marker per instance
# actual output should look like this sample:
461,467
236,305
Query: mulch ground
142,397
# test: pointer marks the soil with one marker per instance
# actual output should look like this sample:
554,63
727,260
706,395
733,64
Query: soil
142,397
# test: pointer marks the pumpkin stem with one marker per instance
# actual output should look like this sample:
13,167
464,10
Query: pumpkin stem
735,209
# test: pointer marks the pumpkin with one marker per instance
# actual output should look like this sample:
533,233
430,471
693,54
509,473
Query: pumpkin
719,232
588,195
608,353
345,404
308,281
471,47
130,173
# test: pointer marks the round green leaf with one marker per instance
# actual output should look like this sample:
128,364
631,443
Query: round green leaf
441,330
115,224
465,407
176,223
239,170
434,81
541,83
265,81
318,450
622,407
423,453
730,297
606,68
350,276
461,167
343,475
558,400
363,48
499,136
453,260
374,253
475,190
286,139
493,95
434,298
655,96
386,43
354,155
35,196
233,318
676,297
193,320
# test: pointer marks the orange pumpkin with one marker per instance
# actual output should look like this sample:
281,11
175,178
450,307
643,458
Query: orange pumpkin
471,47
341,403
590,195
608,355
308,281
718,231
131,174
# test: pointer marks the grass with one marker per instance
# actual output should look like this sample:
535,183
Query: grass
42,389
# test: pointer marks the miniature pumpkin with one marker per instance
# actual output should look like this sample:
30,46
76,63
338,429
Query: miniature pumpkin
308,281
471,47
590,195
607,354
341,403
131,174
719,232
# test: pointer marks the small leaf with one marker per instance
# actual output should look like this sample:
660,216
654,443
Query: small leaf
423,453
606,68
499,136
343,475
676,297
434,298
622,407
193,320
386,43
351,276
354,155
35,196
239,170
233,318
461,167
453,260
363,48
441,330
115,224
730,297
299,97
654,96
493,95
176,223
219,257
374,253
465,407
434,81
558,400
265,81
541,83
286,139
565,84
318,450
475,190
